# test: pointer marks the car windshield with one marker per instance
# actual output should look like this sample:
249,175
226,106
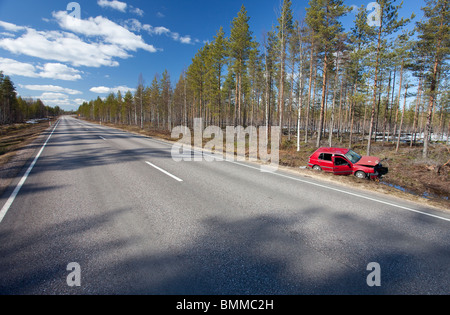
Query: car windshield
353,156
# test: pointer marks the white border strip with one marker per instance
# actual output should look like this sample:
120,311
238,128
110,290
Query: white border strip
308,182
165,172
336,189
16,191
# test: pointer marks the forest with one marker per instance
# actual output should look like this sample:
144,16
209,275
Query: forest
15,109
384,80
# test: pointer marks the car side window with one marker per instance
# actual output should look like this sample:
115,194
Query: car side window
340,161
325,157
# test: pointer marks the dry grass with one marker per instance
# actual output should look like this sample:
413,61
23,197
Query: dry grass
15,137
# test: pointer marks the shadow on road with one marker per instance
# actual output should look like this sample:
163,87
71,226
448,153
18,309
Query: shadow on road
255,255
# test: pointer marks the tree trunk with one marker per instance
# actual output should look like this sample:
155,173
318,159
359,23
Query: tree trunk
398,98
433,89
309,92
330,135
386,110
322,107
416,113
372,117
401,122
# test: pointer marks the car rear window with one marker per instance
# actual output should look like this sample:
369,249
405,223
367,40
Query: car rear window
325,157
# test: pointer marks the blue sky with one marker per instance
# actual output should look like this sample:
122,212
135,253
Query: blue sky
64,61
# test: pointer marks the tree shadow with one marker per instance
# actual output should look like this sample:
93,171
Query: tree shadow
257,255
268,255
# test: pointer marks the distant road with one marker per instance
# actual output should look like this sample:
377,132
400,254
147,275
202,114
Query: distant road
137,222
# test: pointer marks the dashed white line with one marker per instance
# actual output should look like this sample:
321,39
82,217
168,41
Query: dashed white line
165,172
16,191
102,138
315,184
326,187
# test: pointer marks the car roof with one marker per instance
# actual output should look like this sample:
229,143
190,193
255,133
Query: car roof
333,150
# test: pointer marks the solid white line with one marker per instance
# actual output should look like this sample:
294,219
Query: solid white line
16,191
102,138
165,172
315,184
339,190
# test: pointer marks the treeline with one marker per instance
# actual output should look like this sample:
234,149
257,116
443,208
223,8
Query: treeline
372,83
15,109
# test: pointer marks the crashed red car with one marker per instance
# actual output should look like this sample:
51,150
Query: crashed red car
346,162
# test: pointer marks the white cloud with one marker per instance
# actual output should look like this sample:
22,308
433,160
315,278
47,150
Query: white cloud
186,40
60,99
6,34
11,27
108,90
160,30
14,67
52,96
136,26
79,101
54,71
59,71
109,41
160,15
63,47
133,25
102,27
137,11
50,88
116,5
100,90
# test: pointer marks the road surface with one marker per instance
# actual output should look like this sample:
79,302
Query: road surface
137,222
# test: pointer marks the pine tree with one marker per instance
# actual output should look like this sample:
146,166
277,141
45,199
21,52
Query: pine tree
8,100
434,45
240,46
360,37
285,27
389,24
154,101
139,100
219,53
166,98
323,18
128,103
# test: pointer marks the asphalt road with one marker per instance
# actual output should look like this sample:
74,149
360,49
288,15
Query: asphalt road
137,222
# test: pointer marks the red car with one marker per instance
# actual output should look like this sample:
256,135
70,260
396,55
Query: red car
346,162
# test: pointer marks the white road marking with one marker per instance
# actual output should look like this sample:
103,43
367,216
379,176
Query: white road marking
316,184
16,191
327,187
343,191
102,138
165,172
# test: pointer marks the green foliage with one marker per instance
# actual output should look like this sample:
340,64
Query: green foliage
235,80
15,109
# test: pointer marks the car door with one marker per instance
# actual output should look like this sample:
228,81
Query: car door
326,162
341,166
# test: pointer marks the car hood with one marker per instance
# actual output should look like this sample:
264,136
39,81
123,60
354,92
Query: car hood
369,160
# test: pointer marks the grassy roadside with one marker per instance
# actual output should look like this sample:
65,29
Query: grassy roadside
15,137
15,149
426,181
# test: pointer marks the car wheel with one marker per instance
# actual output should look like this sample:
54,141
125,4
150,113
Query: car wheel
361,175
317,168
